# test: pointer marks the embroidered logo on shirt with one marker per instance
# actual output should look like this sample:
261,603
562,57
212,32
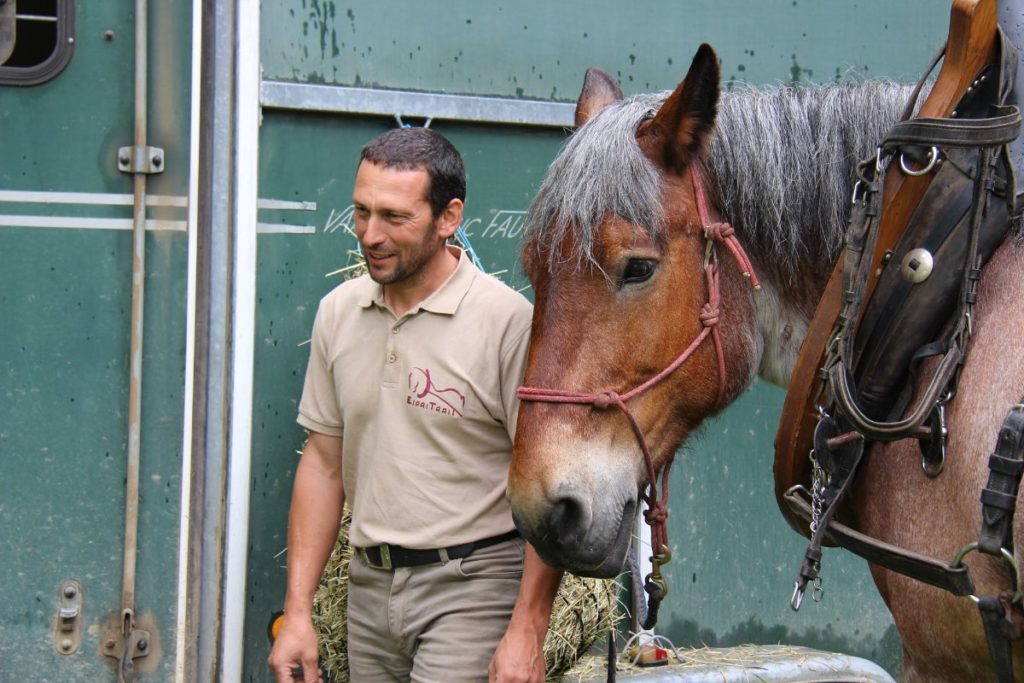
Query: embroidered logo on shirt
426,395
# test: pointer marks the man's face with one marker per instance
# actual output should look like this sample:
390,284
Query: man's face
394,224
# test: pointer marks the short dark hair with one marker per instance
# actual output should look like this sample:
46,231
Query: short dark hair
416,148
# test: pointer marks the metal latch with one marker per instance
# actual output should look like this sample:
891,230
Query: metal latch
140,159
126,650
67,627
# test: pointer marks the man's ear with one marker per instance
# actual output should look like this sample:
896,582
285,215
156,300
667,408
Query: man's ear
450,218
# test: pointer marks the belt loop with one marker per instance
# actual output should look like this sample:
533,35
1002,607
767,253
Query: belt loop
443,553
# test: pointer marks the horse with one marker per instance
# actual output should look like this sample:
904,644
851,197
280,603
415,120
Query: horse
627,274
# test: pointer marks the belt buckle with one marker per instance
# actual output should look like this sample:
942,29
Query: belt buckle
385,557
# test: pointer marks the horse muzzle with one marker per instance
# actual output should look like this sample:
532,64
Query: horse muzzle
585,533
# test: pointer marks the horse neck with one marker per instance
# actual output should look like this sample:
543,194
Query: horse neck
783,309
783,176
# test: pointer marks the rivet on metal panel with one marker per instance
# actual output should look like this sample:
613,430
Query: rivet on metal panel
140,159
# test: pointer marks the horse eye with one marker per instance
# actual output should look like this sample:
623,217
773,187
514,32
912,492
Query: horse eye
637,270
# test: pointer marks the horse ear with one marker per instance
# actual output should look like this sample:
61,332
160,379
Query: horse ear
599,90
685,120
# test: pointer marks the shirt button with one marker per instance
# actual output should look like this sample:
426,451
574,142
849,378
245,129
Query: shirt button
394,330
392,357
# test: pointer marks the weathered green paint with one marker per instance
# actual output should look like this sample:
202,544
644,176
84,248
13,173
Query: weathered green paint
538,49
65,301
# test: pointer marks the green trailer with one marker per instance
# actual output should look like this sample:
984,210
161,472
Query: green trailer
174,200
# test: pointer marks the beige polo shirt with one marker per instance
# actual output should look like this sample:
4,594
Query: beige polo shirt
426,405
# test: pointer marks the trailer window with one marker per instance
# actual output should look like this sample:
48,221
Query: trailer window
36,39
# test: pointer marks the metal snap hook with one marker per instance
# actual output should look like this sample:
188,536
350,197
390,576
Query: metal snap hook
797,600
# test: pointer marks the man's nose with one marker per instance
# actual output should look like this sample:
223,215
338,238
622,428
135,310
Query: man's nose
373,232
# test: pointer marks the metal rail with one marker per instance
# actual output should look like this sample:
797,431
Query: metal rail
350,100
129,640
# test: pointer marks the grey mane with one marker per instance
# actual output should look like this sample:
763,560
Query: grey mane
782,160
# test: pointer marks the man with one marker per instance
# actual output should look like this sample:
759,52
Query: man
410,405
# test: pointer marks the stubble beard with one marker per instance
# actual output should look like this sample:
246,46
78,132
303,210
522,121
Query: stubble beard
419,258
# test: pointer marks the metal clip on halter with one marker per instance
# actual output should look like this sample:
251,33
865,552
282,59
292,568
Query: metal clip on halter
654,583
656,586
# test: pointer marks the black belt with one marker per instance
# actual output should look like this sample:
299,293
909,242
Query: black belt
390,556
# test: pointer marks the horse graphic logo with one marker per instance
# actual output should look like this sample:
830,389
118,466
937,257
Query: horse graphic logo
426,395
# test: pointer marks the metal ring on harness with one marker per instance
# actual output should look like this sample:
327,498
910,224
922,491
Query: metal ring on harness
933,157
1007,557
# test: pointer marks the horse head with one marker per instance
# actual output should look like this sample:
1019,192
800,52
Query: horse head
618,255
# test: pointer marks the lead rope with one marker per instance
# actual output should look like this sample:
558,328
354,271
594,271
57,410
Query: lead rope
656,514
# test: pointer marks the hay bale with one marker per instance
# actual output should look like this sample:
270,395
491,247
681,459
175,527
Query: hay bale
584,610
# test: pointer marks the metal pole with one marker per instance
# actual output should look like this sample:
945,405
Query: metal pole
131,504
224,333
243,330
131,515
185,625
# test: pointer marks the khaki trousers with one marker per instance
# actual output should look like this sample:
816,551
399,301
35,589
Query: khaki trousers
435,623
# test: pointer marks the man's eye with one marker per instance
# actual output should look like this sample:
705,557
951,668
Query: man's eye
637,270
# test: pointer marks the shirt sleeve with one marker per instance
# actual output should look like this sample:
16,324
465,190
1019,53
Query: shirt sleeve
513,366
319,410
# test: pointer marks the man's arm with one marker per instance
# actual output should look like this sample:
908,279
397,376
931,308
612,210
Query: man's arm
318,497
520,654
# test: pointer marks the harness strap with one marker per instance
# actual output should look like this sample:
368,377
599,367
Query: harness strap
910,426
955,579
999,497
1000,129
1001,617
1000,645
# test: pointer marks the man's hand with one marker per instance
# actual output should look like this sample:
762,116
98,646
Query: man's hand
519,658
294,655
318,496
520,654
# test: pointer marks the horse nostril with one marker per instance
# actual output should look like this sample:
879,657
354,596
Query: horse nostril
570,519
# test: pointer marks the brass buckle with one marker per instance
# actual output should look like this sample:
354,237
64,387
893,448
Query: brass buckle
385,557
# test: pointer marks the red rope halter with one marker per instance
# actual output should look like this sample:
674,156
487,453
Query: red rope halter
657,507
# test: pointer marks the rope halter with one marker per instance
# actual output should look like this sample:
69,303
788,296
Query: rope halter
656,514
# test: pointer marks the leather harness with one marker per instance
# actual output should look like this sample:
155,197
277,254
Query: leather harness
922,307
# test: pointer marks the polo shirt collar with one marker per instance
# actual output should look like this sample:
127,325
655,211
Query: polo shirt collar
444,301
